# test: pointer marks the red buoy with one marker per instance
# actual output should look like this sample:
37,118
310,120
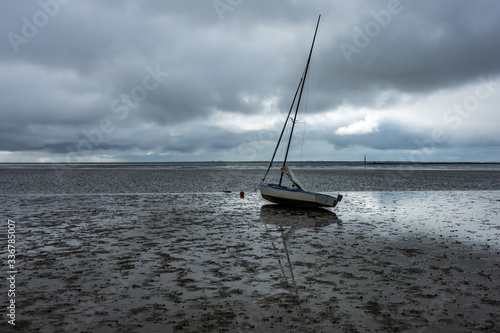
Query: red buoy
242,194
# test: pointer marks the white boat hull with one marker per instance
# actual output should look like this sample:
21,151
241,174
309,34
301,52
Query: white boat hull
298,198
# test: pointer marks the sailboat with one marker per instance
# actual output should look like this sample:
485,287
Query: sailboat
296,195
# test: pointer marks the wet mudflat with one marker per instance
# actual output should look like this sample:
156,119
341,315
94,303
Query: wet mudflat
402,261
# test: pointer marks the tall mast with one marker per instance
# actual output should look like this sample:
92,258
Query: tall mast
283,130
300,96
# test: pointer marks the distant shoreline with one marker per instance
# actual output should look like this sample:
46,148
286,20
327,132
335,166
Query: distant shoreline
248,162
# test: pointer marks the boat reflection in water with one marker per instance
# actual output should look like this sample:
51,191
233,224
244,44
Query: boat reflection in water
297,217
288,220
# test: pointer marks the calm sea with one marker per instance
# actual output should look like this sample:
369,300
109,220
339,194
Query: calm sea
203,177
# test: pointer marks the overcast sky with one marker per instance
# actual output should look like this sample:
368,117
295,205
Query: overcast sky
212,80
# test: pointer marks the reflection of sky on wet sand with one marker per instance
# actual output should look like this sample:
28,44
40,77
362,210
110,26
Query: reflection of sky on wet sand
389,242
461,215
204,261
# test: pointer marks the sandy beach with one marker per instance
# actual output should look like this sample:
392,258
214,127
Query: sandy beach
422,261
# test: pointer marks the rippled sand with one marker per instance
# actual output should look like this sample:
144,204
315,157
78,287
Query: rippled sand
381,261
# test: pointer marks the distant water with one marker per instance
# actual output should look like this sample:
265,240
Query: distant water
237,176
161,247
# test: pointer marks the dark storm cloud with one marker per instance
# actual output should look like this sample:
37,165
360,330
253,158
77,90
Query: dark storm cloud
64,64
423,47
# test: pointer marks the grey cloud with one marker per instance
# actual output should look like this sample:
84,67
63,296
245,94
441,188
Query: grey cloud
427,46
64,79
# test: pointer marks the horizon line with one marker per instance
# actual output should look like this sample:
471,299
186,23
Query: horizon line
235,161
